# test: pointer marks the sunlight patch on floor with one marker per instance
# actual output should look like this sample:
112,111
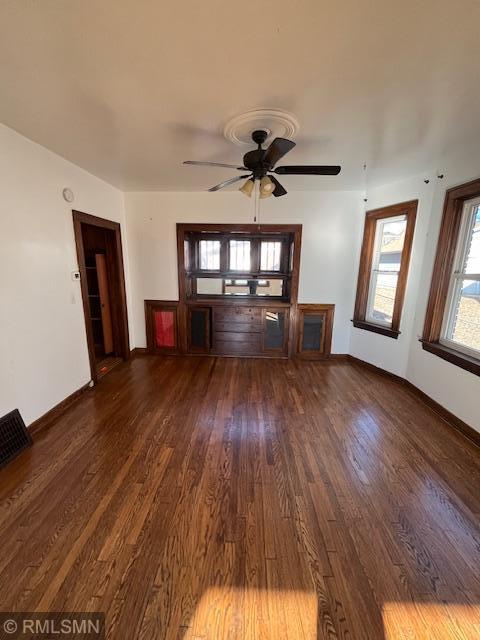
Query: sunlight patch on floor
431,621
225,613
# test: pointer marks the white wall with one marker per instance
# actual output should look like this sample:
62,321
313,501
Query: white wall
452,387
43,349
332,222
379,350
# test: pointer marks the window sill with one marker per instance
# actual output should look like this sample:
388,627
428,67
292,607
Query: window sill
376,328
454,357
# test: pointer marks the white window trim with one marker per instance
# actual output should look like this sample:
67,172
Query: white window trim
375,271
457,276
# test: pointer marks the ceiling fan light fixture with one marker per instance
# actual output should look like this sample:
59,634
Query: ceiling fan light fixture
247,188
267,187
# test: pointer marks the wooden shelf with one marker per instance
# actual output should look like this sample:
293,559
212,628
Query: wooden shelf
237,275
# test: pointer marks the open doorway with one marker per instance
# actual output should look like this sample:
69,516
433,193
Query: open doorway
100,261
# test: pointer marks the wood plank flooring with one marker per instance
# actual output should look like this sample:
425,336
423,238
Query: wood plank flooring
210,499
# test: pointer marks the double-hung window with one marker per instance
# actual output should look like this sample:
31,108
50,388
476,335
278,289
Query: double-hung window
452,320
382,278
387,258
461,323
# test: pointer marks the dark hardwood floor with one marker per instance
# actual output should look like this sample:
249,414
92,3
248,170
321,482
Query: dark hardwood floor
233,499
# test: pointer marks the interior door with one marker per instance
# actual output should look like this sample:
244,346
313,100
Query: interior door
105,308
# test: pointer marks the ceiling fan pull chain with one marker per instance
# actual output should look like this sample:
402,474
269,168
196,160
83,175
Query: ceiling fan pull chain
256,200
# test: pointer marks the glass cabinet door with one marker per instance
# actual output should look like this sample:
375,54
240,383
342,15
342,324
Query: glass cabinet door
312,335
198,329
275,330
314,330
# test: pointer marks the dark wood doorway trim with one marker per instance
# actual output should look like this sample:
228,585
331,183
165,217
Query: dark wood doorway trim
119,298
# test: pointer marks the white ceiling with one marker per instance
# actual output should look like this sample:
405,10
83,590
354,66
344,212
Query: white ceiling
127,89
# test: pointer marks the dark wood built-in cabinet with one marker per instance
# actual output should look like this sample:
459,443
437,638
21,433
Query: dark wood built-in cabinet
314,335
199,323
162,326
238,288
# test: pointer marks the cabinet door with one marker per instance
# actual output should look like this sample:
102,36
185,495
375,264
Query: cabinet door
275,330
198,329
314,331
162,331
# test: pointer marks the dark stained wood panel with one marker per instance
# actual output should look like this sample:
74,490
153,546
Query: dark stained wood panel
237,314
223,498
238,327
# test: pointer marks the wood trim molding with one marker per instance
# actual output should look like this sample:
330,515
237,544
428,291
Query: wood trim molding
326,343
442,269
161,305
119,301
376,328
55,412
366,257
138,351
451,419
457,358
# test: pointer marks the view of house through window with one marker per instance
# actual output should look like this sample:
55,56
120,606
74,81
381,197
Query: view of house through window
383,271
389,240
462,316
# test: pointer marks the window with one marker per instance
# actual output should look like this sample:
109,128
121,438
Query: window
382,278
452,322
387,256
238,260
209,254
270,256
240,255
461,327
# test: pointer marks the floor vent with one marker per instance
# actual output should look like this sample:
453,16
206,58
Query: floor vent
14,436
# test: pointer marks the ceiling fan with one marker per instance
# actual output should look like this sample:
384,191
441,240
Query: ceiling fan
260,163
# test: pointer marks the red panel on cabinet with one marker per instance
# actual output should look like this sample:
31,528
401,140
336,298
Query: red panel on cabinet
164,328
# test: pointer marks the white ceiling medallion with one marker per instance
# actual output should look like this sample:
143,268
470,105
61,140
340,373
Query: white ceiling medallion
277,123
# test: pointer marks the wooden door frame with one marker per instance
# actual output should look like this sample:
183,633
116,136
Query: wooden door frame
119,303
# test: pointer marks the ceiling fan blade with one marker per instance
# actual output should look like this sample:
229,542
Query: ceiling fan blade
215,164
225,183
277,149
308,170
279,189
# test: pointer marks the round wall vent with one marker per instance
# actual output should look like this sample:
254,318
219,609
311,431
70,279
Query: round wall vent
277,123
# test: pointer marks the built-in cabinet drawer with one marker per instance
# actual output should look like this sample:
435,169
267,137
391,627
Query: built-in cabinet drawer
237,330
239,327
240,314
249,330
233,343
